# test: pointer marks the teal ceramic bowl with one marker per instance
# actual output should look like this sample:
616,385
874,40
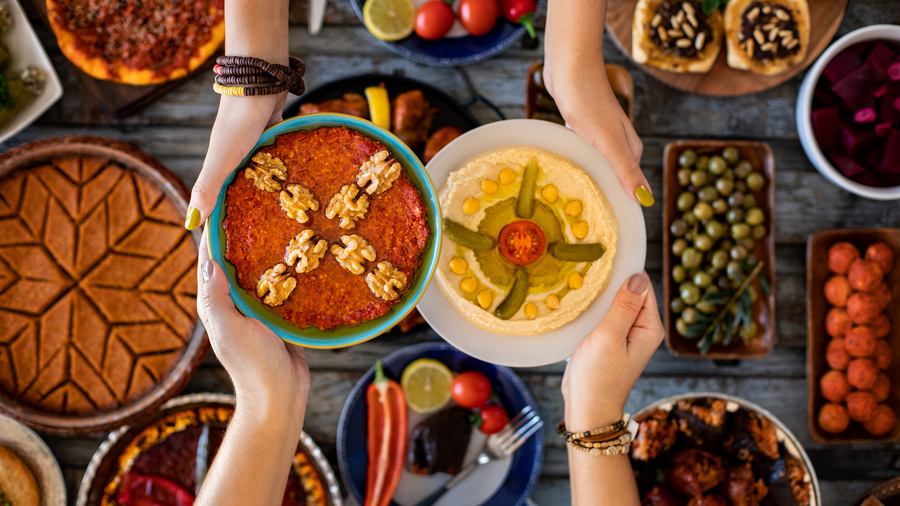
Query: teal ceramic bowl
341,337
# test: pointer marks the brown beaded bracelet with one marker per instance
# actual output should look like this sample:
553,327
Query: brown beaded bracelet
602,431
245,76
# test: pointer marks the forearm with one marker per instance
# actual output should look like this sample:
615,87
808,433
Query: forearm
252,465
257,28
574,31
600,480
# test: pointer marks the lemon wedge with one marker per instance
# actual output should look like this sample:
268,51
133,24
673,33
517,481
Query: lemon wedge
379,106
426,383
390,19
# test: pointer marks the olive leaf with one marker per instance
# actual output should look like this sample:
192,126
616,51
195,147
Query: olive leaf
717,298
695,330
709,6
730,327
706,343
766,287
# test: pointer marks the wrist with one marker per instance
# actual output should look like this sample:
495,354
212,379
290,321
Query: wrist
584,413
279,411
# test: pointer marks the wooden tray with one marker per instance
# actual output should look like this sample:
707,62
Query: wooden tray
817,274
760,155
619,80
119,99
825,17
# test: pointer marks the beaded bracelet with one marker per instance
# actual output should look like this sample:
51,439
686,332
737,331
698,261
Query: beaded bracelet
621,424
611,451
623,439
235,73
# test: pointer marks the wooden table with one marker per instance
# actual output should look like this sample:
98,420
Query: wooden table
176,131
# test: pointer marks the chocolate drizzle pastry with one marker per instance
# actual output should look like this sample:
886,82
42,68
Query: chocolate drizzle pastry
768,31
680,28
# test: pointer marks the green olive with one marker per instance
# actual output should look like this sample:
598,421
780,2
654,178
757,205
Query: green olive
743,168
753,292
734,270
740,230
704,242
702,279
729,175
731,155
706,307
748,243
755,216
702,163
724,186
736,199
678,247
759,232
707,193
734,215
749,330
719,206
717,165
684,177
715,229
755,181
678,227
681,326
685,201
726,243
740,186
738,252
689,235
677,305
687,157
689,218
691,258
691,316
689,293
703,211
678,274
719,259
749,201
699,178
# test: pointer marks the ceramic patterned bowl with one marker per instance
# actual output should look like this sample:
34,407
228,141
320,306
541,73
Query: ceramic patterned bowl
340,337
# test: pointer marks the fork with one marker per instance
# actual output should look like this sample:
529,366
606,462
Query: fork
497,446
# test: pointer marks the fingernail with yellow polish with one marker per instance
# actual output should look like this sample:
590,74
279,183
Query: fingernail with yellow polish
644,196
192,220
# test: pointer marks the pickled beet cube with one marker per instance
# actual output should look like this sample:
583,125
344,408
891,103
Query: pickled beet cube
880,90
842,64
886,110
856,88
869,178
856,139
824,98
846,164
881,56
893,71
882,129
866,115
890,161
826,126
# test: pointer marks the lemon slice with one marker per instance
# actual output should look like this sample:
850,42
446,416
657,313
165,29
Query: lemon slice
379,106
390,19
426,383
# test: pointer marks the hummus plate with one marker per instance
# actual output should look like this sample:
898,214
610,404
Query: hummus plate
527,348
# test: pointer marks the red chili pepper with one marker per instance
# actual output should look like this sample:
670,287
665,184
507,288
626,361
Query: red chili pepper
140,490
520,11
387,438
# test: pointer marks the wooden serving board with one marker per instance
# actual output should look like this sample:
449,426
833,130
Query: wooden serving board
825,18
119,99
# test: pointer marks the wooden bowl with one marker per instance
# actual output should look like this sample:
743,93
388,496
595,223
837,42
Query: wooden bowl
619,80
817,273
760,155
195,349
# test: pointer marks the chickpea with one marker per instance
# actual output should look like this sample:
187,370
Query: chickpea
489,186
575,281
458,266
468,285
573,208
531,310
552,301
508,176
485,299
550,193
471,206
580,229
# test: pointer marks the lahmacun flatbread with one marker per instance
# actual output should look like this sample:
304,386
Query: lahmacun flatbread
766,37
675,35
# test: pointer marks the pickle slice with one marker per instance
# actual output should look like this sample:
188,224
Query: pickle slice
525,202
577,252
466,238
515,298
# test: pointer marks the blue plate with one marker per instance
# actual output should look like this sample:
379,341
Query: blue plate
340,337
452,52
511,392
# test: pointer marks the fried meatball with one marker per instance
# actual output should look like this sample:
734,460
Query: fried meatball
695,472
439,140
864,275
882,422
860,341
861,373
881,325
837,322
840,256
862,308
882,254
659,496
835,386
837,356
882,388
883,354
861,406
833,418
882,294
838,290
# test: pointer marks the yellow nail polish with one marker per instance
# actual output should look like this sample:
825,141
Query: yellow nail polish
644,196
192,220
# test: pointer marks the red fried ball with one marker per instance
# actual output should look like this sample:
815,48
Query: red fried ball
838,290
861,406
860,341
881,325
834,386
864,275
882,388
883,354
837,322
861,373
882,254
862,308
840,256
882,422
837,356
833,418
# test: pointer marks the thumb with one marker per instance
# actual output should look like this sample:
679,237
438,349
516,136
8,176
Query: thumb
625,308
622,148
214,302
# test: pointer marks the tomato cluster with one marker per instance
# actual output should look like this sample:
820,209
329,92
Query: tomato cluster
435,18
472,390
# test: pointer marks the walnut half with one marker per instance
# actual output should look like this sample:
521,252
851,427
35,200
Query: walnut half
383,281
378,173
264,170
304,252
296,200
346,206
356,251
278,283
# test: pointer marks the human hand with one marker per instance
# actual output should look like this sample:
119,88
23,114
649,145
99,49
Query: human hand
270,377
239,124
608,362
594,113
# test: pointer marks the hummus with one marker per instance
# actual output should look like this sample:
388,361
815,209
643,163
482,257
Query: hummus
464,200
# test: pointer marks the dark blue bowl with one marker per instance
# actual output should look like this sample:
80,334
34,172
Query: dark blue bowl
511,392
453,52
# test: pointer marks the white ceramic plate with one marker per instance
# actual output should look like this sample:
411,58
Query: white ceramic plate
25,443
25,50
533,351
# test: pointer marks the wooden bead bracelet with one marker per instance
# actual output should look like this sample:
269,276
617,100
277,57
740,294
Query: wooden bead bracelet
244,76
602,431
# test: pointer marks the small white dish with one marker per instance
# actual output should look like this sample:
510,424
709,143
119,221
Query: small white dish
29,447
804,112
556,345
25,49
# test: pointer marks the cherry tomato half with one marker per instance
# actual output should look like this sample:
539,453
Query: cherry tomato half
434,19
470,389
493,418
478,16
522,242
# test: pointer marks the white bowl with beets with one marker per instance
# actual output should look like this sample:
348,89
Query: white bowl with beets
848,112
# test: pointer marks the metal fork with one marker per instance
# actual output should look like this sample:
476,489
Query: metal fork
497,446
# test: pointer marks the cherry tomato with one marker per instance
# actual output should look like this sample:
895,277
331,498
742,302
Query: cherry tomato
470,389
522,242
493,418
478,16
434,19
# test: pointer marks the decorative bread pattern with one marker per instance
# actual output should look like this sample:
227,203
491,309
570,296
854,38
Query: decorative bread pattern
97,285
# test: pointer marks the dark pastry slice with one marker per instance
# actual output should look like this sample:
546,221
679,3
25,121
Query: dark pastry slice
439,443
